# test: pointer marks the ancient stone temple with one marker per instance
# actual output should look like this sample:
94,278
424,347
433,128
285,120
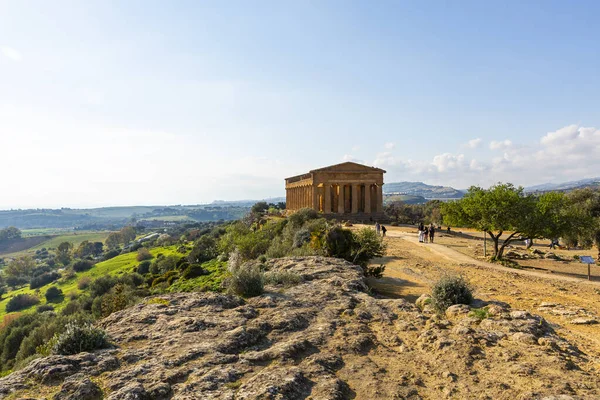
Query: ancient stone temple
347,189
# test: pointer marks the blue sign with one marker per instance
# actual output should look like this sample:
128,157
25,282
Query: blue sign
586,259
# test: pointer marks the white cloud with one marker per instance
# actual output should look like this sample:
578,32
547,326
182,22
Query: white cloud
355,148
566,154
390,145
11,53
473,143
494,145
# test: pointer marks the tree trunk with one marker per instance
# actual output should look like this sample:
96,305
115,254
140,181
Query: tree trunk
495,241
509,239
529,244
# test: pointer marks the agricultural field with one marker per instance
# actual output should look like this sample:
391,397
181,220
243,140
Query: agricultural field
51,242
115,266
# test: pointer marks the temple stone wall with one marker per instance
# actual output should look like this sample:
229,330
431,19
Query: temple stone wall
347,188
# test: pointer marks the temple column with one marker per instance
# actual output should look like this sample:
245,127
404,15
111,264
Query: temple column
307,197
379,198
315,198
341,199
295,198
327,200
354,199
368,198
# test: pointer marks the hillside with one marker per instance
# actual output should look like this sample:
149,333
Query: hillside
565,186
111,217
325,338
421,189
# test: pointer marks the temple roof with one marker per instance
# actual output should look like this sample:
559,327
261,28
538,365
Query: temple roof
342,167
348,167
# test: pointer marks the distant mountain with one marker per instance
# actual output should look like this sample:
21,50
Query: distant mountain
422,189
546,187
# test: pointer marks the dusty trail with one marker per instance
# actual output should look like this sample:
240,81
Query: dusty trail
412,267
460,258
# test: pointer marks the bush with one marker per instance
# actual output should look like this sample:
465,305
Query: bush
44,308
118,299
375,271
143,254
286,278
111,254
301,237
247,281
194,271
132,280
144,267
82,265
298,218
84,282
79,338
102,285
53,294
20,302
450,290
43,279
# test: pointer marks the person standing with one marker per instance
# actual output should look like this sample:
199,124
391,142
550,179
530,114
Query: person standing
383,230
421,229
425,234
377,228
431,234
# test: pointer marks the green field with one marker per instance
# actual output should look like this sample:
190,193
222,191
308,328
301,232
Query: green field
114,266
74,237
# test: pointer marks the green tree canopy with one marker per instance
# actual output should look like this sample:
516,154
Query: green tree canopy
504,208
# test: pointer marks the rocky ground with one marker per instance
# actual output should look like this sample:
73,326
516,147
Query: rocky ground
325,338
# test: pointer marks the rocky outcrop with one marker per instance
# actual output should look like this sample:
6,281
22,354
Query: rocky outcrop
325,338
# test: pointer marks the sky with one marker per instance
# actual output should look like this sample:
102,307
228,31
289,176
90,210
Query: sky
139,102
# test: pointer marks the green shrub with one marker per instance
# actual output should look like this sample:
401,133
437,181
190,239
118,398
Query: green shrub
301,237
54,294
194,271
102,285
21,301
43,279
286,278
82,265
375,271
44,308
84,282
247,281
78,338
143,254
71,308
298,218
144,267
479,313
450,290
118,299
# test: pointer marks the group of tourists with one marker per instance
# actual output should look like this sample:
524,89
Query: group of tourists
426,233
380,229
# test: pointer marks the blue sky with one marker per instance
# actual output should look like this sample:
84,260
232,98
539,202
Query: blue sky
153,102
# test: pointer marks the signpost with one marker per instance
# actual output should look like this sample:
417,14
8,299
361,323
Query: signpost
589,261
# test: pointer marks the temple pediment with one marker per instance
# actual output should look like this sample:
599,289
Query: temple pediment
348,167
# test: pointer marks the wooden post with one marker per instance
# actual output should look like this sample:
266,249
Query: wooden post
484,244
589,273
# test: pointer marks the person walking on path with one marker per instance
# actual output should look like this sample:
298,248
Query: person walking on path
377,228
431,234
421,229
425,234
383,231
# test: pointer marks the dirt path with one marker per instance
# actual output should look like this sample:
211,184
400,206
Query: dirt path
457,257
412,267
